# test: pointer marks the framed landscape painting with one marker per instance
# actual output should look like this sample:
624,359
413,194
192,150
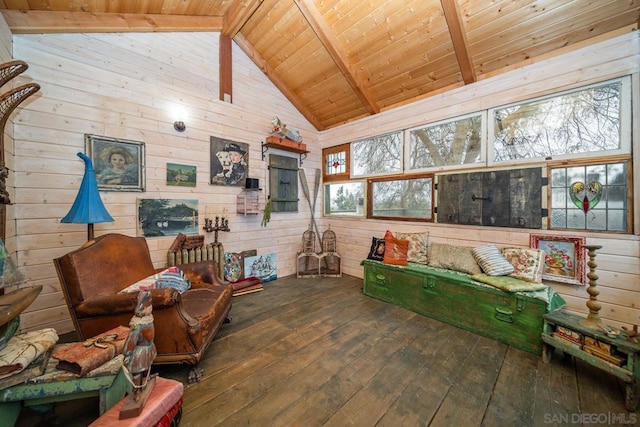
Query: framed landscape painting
564,259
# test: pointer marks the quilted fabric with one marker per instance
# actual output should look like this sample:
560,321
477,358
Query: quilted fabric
527,263
492,261
395,251
451,257
417,246
172,277
508,283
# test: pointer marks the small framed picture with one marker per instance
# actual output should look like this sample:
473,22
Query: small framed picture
181,175
119,163
564,259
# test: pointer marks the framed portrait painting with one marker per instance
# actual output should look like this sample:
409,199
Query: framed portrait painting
564,259
229,162
119,163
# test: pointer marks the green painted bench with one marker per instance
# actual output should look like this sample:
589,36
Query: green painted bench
452,297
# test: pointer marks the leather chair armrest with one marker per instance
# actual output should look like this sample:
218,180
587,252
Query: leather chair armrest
125,303
202,274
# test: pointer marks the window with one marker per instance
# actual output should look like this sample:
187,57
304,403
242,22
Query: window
344,198
336,163
380,155
451,143
590,197
591,120
410,198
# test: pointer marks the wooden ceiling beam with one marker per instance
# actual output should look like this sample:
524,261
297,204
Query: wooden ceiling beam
257,59
237,15
36,21
459,39
340,57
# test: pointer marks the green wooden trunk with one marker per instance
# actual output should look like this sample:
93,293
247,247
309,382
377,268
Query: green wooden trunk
511,318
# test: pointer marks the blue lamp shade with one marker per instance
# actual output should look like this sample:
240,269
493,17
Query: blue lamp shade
88,207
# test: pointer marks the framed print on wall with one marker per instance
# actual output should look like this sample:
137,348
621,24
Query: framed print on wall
181,175
564,259
119,163
229,162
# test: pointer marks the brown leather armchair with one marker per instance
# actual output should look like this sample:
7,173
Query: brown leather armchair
185,324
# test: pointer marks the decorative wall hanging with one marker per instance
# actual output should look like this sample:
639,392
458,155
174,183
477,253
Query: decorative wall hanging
229,162
181,175
564,258
119,163
585,197
167,217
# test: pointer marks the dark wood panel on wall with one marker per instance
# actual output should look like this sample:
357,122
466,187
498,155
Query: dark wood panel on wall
283,183
504,198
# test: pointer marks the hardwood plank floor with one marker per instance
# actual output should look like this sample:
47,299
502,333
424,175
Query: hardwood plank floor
313,352
307,352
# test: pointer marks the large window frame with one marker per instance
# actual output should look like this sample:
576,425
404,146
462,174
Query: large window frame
624,125
353,205
372,194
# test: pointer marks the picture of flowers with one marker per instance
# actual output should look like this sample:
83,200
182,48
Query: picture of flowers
564,259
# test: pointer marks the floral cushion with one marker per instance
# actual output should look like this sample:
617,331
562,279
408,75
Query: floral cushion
492,261
527,263
418,243
376,252
508,283
451,257
172,277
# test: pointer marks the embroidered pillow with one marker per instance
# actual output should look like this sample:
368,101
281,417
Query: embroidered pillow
395,251
527,263
376,252
491,261
172,277
458,258
417,246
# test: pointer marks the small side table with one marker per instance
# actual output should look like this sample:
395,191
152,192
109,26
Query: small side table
628,352
108,382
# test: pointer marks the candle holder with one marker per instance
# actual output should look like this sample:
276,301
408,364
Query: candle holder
593,318
221,224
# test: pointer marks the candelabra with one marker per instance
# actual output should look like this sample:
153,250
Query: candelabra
220,224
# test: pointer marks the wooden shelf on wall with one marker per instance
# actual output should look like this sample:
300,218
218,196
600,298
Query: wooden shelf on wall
285,145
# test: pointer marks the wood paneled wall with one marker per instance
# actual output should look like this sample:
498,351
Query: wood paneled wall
618,260
128,86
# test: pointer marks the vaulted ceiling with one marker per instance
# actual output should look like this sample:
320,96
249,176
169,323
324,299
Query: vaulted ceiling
340,60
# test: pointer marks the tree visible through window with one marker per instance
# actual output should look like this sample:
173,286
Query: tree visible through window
377,156
583,121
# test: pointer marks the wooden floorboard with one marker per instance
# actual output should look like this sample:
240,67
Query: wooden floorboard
318,352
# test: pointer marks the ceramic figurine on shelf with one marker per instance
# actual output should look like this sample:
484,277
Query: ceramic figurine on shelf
282,130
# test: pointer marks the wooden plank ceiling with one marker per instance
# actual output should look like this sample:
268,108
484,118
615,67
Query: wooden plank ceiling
340,60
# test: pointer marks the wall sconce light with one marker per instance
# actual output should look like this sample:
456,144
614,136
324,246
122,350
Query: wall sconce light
179,126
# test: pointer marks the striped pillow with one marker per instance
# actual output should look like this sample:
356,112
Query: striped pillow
492,261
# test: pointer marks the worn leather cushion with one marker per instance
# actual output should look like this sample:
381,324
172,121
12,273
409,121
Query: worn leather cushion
205,306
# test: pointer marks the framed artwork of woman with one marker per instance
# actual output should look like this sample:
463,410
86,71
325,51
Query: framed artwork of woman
119,163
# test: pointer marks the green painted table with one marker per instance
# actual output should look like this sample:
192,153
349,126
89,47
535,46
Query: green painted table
629,352
108,382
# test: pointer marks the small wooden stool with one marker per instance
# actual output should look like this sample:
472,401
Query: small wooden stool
163,408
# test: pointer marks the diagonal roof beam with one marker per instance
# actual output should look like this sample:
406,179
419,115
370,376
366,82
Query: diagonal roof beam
237,15
330,42
257,59
459,39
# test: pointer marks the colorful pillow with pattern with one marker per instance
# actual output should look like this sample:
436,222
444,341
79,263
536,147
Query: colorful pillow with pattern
491,261
527,263
172,277
376,252
418,243
395,251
